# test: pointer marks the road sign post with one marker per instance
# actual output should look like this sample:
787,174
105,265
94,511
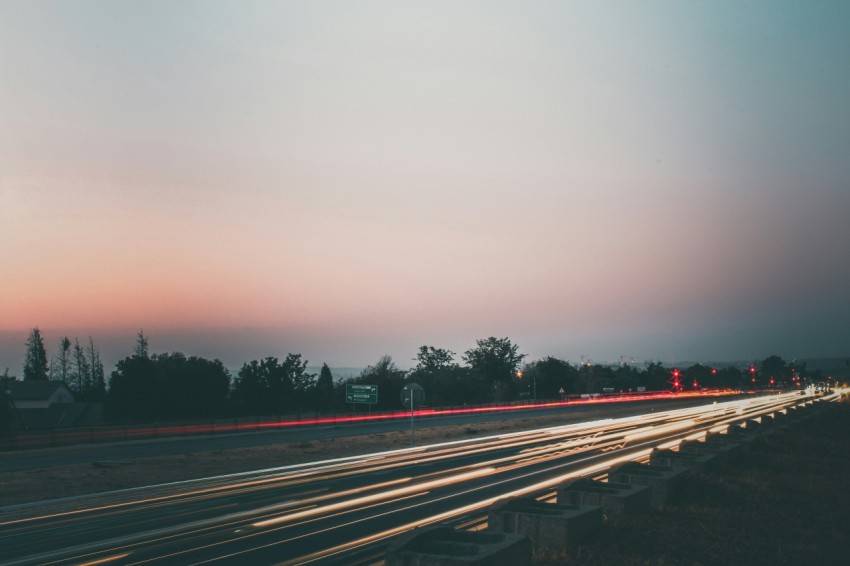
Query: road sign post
412,396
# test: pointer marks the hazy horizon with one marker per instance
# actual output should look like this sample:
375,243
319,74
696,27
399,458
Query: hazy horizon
347,180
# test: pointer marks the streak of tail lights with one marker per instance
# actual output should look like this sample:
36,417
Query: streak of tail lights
447,481
122,433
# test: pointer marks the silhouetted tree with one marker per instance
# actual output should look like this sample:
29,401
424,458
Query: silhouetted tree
35,362
303,382
210,382
141,348
551,375
280,386
595,377
82,371
496,360
61,367
167,386
324,397
776,368
433,360
656,377
251,388
729,377
271,387
389,379
626,378
697,373
134,394
193,387
444,381
97,380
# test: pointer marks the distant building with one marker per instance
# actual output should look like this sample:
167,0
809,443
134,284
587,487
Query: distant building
39,394
45,404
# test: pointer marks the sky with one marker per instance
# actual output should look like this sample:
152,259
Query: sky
661,180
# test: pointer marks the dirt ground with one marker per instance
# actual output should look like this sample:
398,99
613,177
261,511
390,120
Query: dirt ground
65,481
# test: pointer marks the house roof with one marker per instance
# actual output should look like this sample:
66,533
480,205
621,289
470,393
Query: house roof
34,389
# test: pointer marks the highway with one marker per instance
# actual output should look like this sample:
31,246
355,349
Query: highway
27,459
346,511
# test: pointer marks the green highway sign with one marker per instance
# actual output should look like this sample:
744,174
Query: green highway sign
356,393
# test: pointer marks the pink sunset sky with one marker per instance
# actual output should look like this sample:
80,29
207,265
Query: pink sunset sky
346,180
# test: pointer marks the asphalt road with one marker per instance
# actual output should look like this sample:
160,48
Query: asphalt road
347,511
134,449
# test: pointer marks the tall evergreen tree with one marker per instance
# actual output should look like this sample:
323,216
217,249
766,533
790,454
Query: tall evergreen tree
62,364
82,373
325,389
141,349
35,363
97,381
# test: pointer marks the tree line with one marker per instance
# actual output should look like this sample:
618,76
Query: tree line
78,367
167,386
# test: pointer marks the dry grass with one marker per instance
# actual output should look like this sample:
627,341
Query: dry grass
65,481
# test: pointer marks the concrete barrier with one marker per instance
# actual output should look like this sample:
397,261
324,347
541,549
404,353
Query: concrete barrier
445,546
780,419
663,480
552,526
673,459
614,498
718,444
739,432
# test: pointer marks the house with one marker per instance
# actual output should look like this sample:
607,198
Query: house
46,404
39,394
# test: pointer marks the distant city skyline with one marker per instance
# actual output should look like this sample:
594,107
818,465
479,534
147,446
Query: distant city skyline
346,180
